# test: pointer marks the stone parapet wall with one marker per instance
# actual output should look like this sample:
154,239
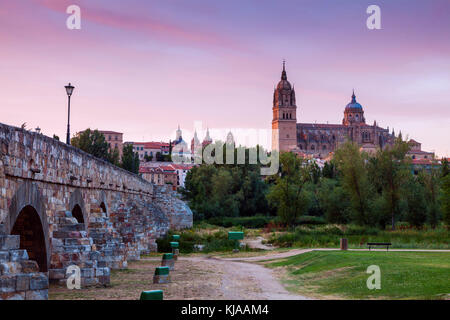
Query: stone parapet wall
86,212
29,155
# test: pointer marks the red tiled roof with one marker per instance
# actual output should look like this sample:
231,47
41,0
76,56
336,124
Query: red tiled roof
424,161
419,152
143,169
182,166
320,125
155,145
109,132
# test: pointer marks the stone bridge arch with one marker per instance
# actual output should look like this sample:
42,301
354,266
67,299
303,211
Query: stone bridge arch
28,205
76,204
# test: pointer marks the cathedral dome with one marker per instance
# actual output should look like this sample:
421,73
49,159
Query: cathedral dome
284,85
353,104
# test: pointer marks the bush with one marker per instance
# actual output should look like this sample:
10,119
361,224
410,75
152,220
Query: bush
217,241
310,220
246,222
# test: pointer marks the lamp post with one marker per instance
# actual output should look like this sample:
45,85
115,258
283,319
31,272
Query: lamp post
69,90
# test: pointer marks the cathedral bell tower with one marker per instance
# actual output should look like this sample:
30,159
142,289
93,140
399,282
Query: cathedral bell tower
284,122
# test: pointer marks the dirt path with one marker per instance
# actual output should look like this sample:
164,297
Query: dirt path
257,244
246,281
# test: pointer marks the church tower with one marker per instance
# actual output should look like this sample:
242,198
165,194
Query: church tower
284,122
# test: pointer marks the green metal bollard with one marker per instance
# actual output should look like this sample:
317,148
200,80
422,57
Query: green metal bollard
168,261
174,245
176,237
161,275
152,295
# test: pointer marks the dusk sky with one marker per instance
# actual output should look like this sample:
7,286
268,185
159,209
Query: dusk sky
143,67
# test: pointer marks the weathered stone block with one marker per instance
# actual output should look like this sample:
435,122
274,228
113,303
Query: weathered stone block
18,255
9,242
12,296
57,273
23,282
29,266
36,295
9,268
39,281
87,272
4,256
7,284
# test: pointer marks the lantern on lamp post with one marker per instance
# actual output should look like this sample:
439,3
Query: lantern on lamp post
69,90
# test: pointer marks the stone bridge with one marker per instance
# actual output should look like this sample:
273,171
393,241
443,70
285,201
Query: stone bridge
60,206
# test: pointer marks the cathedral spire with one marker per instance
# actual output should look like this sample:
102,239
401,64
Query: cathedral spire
283,74
353,97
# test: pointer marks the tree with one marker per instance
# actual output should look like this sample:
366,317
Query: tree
334,201
288,195
445,169
430,180
416,210
92,142
445,199
351,166
159,156
130,159
393,173
114,156
329,170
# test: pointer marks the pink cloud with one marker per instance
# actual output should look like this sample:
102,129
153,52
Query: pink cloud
149,26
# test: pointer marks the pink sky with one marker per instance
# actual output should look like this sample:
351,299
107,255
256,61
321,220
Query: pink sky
143,67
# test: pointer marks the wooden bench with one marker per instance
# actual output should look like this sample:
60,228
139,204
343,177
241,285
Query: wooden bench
374,244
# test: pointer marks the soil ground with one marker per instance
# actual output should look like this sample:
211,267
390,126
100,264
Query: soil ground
196,277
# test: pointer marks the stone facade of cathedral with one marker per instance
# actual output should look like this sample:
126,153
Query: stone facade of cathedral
319,139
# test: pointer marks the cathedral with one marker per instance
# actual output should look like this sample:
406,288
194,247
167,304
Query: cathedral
319,139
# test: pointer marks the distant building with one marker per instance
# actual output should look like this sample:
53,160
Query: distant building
207,140
322,139
161,173
180,147
114,140
416,152
149,149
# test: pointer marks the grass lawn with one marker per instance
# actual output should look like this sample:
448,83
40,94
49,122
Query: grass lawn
342,275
